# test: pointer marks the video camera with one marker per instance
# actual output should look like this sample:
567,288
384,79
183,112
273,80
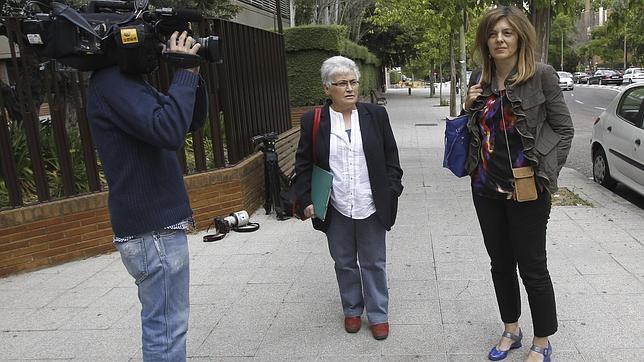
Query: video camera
109,32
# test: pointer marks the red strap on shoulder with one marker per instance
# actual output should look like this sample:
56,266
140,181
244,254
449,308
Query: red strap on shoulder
316,125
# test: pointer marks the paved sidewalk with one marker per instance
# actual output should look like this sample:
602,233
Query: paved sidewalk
271,295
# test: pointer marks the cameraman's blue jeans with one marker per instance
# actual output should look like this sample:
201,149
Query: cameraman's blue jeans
158,262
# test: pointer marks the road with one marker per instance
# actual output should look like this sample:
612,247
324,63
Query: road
586,103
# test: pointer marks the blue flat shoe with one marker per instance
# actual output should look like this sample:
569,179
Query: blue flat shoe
497,355
546,352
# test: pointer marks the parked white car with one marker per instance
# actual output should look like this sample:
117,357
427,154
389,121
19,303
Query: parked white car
617,145
634,75
565,81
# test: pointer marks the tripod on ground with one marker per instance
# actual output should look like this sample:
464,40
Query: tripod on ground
273,176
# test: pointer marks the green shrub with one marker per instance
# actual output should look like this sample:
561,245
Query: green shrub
308,46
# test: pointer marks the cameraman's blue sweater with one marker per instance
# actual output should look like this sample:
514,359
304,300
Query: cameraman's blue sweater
137,131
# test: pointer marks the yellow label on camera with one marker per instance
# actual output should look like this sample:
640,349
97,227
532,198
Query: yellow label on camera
129,36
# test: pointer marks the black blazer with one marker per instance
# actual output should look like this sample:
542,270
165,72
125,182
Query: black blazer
380,152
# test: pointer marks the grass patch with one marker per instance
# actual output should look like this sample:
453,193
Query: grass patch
565,197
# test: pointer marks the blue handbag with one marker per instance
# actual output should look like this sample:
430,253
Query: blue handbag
457,143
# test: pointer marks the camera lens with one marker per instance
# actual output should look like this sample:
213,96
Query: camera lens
210,49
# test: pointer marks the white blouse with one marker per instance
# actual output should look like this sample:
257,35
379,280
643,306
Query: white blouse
351,191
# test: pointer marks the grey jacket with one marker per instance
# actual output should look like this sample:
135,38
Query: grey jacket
543,121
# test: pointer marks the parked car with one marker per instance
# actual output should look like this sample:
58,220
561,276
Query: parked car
617,147
577,75
565,81
605,76
583,78
634,75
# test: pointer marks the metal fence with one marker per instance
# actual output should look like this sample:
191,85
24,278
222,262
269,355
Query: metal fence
48,155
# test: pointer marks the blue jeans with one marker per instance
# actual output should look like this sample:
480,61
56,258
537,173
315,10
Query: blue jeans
159,263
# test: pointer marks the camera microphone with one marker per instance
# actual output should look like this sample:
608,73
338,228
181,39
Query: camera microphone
188,15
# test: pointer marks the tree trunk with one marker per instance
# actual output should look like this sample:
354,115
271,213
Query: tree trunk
541,21
452,81
463,68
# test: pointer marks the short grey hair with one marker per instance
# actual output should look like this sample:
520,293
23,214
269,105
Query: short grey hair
337,65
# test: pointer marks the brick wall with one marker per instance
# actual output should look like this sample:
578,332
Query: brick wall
52,233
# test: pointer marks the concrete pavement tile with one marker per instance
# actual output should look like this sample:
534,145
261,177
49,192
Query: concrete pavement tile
111,344
471,338
317,274
571,284
305,292
616,284
131,319
273,275
585,308
603,231
250,316
264,293
335,341
48,319
479,270
436,357
468,311
225,276
426,312
28,298
413,290
297,315
96,317
107,278
231,341
226,293
447,242
14,319
302,343
422,253
466,290
449,254
286,257
410,270
405,339
79,297
23,281
626,307
29,345
589,263
615,354
206,316
222,247
634,326
201,261
600,336
118,298
246,260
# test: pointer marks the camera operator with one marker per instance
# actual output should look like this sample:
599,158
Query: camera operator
137,131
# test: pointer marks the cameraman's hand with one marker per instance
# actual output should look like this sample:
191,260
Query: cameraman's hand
182,43
309,211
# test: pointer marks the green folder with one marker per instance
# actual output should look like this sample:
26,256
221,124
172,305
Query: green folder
321,182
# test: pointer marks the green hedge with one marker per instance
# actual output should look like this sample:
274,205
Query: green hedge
308,46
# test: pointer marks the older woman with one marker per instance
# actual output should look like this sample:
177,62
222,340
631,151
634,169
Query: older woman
356,144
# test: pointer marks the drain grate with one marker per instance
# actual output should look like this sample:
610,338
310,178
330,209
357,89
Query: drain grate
426,124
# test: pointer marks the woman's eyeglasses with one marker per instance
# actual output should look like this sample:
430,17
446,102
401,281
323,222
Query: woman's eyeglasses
345,84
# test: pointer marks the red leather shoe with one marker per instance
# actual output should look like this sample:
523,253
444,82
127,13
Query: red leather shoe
380,330
352,324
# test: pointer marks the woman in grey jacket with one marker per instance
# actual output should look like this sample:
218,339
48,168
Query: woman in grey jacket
521,133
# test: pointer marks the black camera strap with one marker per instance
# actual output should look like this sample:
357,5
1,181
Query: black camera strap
209,238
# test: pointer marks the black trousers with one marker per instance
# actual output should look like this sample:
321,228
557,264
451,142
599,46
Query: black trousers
515,233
